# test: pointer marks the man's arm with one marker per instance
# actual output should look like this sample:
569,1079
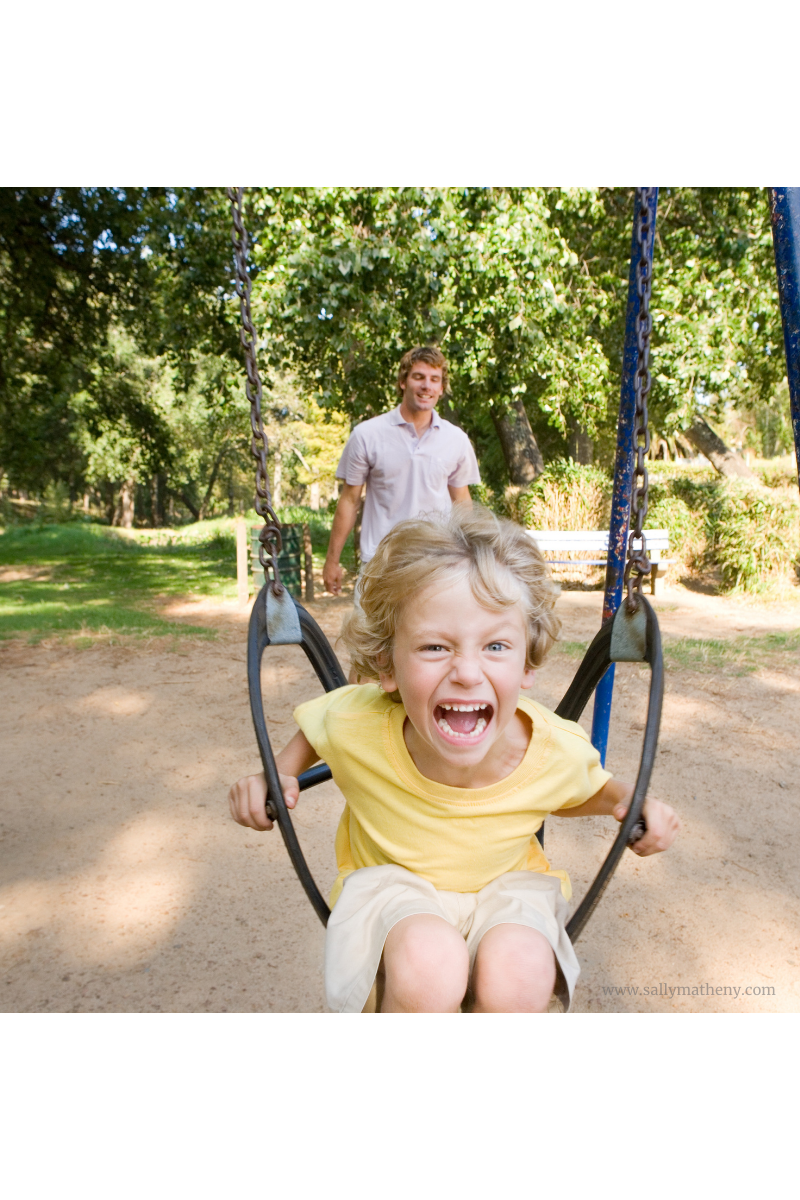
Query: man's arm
460,495
343,522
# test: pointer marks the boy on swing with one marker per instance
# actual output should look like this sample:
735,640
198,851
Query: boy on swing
443,890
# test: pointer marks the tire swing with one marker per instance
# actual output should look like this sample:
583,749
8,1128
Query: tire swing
277,619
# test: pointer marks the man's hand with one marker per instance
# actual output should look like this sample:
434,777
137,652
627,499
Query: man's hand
332,574
247,800
662,826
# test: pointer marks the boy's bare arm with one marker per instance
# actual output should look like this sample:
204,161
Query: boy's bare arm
248,796
612,801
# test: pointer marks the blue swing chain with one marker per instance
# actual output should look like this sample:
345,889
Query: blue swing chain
638,564
270,538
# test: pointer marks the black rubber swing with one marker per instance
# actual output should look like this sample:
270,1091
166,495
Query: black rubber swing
630,636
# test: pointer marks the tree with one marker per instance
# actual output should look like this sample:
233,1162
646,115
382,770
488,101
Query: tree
350,278
524,289
69,260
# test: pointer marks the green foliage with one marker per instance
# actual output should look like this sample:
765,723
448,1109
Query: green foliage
351,277
565,496
716,319
69,261
679,503
755,535
121,367
750,532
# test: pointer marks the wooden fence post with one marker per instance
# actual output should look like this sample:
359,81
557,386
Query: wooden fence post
242,565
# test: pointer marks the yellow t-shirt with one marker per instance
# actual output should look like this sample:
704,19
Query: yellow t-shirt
459,839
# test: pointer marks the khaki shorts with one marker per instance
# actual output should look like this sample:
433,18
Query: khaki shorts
374,899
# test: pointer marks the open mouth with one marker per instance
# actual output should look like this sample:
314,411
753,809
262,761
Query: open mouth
463,721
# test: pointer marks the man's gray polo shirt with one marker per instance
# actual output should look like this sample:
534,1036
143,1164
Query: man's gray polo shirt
405,475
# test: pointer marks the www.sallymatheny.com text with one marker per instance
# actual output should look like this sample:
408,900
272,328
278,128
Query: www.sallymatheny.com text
667,991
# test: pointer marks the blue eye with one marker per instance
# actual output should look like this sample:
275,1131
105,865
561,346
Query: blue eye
496,647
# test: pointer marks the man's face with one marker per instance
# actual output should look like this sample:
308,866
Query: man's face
422,388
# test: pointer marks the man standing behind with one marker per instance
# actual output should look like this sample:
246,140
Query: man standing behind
411,459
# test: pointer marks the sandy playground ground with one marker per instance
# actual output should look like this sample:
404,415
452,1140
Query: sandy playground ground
126,887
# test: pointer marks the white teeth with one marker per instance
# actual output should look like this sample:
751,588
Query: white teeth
480,725
463,707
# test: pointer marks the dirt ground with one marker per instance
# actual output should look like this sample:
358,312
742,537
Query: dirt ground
126,887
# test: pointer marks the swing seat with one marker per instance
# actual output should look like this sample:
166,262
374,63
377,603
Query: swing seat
627,637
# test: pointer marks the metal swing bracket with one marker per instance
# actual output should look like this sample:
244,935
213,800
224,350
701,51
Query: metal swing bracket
283,623
629,635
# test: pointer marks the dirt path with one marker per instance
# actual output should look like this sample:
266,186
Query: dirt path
126,887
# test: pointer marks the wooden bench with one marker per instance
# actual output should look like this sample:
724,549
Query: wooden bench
595,541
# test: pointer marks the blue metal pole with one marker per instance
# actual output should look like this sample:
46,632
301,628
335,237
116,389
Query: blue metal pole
623,483
786,239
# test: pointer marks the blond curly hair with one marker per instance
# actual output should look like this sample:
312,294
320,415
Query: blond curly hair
502,562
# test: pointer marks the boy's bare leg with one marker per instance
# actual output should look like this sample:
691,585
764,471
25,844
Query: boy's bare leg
515,971
426,966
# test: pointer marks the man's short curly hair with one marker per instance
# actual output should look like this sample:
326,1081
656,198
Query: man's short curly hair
502,562
431,355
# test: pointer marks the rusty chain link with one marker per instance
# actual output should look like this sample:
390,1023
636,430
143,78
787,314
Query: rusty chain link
270,538
638,564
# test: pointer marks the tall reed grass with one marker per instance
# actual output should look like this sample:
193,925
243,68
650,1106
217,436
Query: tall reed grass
565,496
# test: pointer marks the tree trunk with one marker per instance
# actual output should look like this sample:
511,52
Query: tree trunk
214,472
154,507
523,457
190,504
581,446
127,500
725,460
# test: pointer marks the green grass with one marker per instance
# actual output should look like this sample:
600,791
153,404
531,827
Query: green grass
735,656
573,649
94,581
730,656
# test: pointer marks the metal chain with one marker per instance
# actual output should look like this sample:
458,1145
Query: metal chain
638,564
270,538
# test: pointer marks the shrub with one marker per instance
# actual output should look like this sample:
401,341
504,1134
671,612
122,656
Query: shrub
754,534
686,526
778,472
565,496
